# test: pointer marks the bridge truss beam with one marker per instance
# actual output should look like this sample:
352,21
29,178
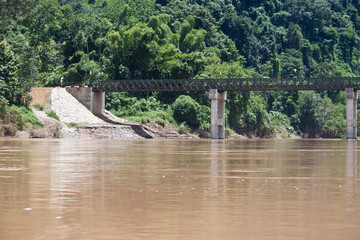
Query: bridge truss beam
218,86
240,84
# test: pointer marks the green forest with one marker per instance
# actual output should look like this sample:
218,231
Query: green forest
87,40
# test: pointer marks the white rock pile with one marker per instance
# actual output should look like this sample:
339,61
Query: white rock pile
70,110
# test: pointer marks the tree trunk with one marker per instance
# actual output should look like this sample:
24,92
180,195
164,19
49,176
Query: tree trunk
32,66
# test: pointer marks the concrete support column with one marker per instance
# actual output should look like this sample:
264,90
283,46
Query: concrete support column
98,103
351,113
221,114
217,113
213,95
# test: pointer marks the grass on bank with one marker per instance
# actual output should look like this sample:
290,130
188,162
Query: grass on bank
151,116
72,125
16,118
28,116
53,115
21,118
50,113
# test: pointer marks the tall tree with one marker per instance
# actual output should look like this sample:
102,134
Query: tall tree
42,22
12,10
11,88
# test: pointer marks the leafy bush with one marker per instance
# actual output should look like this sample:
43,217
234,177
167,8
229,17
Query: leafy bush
309,122
331,118
257,118
263,123
7,117
183,128
16,118
204,114
38,106
278,120
320,116
3,108
144,105
142,110
185,109
204,129
11,122
280,123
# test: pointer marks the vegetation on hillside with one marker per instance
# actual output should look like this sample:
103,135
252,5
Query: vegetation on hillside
86,40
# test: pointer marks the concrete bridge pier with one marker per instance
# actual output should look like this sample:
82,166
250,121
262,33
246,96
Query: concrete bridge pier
351,113
98,103
217,113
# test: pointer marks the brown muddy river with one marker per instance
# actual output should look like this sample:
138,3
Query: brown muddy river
179,189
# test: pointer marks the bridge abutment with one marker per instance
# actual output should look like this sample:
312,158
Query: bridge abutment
217,113
351,113
94,101
83,95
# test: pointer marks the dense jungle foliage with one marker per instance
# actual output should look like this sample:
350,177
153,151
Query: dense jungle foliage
86,40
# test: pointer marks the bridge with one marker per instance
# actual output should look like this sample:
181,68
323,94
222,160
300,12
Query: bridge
217,93
240,84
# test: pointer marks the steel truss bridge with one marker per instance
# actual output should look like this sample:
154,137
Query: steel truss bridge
239,84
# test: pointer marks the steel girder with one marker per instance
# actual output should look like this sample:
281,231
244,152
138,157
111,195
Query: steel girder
240,84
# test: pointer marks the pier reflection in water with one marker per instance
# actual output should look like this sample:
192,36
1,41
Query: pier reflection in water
179,189
351,169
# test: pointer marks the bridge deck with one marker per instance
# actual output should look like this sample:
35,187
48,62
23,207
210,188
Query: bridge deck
241,84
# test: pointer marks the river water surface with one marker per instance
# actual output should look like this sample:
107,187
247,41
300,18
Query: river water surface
179,189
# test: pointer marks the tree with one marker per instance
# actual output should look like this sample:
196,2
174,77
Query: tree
42,22
191,39
11,9
275,70
130,12
243,30
348,41
85,70
294,36
309,122
11,88
257,118
285,102
331,118
291,63
238,102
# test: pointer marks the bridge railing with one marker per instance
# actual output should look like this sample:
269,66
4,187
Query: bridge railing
240,84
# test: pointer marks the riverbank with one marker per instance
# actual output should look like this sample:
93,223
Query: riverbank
70,119
76,121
